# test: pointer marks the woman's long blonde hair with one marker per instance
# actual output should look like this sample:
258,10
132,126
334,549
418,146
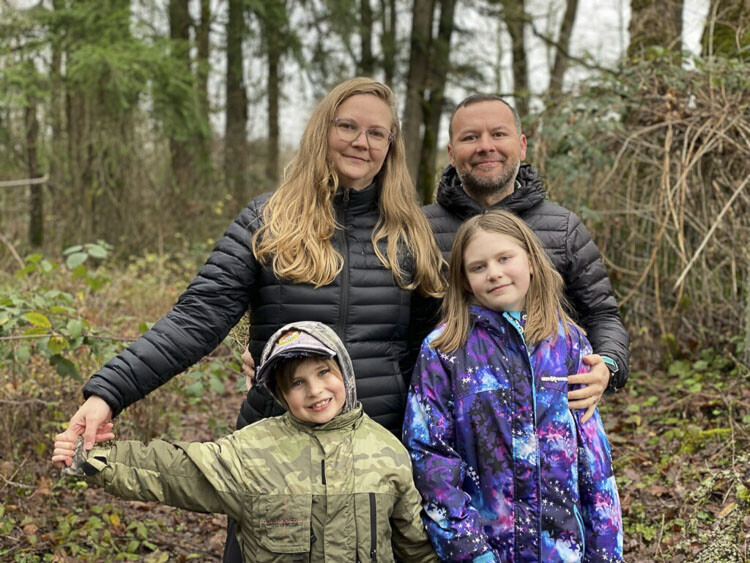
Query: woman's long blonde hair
300,221
544,299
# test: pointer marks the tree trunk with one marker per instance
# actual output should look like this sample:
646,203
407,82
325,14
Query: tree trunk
366,61
433,108
56,163
183,174
514,15
563,45
235,143
202,33
655,23
36,192
273,91
421,29
388,39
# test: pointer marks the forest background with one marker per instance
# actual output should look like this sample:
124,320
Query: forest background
125,151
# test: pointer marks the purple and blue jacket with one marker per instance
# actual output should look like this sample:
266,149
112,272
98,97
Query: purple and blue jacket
506,471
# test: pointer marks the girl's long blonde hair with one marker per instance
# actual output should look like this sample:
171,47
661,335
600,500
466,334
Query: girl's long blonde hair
300,221
544,299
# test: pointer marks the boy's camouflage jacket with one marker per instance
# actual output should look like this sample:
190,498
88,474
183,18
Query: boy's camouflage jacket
338,492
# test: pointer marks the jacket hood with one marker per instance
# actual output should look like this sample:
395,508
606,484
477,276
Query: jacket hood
529,191
325,342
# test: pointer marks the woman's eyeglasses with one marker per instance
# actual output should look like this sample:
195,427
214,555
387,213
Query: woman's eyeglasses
348,130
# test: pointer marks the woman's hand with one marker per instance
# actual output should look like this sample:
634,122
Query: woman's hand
594,384
248,368
93,421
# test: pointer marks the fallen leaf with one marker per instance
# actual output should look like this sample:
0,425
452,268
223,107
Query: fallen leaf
30,529
216,542
157,557
726,510
658,490
7,468
44,485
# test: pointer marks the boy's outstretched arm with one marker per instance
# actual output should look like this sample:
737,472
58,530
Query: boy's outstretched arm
202,477
452,523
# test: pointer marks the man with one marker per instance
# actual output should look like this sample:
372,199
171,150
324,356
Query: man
486,148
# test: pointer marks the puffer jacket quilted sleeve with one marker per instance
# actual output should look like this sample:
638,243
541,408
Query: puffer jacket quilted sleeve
202,317
589,290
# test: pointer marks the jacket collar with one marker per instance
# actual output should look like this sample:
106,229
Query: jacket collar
351,418
528,193
495,321
358,201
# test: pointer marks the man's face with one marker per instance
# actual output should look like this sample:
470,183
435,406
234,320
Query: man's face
486,148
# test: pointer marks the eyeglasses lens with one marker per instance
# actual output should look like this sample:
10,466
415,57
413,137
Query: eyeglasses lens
377,137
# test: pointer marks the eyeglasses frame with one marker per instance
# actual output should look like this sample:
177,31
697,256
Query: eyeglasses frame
360,129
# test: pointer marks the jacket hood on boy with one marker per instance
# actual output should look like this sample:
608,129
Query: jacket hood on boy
301,339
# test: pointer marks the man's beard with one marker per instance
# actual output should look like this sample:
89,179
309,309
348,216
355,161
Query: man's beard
483,187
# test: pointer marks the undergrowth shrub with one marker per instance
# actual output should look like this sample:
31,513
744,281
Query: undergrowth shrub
656,160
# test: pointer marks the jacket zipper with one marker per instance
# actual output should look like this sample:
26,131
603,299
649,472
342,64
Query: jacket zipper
373,530
344,302
520,330
323,470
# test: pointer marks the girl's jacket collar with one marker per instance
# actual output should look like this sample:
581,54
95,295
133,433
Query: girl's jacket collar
495,321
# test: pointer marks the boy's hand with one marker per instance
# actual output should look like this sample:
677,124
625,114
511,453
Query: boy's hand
65,450
77,460
594,383
248,368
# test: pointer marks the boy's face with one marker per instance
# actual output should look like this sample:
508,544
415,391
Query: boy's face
316,392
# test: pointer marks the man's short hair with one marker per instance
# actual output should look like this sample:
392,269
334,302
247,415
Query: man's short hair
476,98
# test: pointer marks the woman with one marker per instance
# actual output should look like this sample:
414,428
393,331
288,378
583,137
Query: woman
342,241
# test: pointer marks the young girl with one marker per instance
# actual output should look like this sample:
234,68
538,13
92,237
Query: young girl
506,471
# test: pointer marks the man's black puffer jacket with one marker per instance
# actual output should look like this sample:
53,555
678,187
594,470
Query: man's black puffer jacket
568,245
364,305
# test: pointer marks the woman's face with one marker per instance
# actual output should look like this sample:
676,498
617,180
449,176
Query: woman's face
356,162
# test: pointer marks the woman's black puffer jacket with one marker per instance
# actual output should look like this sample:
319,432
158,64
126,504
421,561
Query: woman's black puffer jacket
364,305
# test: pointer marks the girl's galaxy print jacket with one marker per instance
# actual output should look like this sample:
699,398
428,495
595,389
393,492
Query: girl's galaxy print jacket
506,471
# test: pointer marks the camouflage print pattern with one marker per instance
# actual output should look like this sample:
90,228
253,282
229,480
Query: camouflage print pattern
337,492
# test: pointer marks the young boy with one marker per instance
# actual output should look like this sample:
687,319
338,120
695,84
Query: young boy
322,482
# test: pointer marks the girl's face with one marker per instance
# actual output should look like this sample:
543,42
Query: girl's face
316,392
498,271
356,162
